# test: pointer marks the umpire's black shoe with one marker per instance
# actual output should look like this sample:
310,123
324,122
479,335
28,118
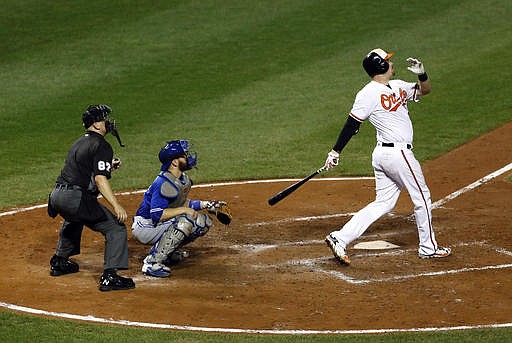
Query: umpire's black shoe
61,265
110,281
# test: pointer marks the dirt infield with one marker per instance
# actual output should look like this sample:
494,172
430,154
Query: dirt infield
271,269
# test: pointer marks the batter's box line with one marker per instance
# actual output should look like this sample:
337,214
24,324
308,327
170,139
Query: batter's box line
351,280
256,248
311,263
299,219
435,205
348,279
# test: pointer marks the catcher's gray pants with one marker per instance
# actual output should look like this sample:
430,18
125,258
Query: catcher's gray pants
65,203
145,232
169,235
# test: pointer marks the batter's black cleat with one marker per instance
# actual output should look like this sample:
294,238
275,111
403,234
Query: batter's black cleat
110,281
61,265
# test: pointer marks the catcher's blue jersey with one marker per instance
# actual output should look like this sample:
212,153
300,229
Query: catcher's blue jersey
166,191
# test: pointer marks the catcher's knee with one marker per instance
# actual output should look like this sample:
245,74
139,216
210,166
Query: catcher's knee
203,223
184,224
194,228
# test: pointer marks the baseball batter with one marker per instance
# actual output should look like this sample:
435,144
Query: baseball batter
384,103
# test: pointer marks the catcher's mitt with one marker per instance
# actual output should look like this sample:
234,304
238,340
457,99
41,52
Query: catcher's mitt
224,214
221,210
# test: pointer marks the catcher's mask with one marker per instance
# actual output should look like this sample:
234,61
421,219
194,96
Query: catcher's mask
96,113
174,149
376,62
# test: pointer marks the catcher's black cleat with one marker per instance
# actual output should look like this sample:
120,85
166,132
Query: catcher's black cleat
110,281
61,265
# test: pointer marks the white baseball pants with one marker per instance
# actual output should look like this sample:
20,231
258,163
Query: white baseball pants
394,168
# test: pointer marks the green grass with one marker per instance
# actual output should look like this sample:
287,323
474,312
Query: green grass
19,328
261,87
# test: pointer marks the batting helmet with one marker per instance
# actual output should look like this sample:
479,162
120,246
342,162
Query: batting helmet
376,62
174,149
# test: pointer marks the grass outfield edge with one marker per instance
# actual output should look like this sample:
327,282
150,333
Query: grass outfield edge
203,185
93,319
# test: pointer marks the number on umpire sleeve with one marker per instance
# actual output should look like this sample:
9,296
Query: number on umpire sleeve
102,165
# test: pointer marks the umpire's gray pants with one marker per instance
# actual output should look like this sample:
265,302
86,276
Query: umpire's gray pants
116,243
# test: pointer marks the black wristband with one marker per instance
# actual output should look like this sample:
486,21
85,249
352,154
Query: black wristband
423,77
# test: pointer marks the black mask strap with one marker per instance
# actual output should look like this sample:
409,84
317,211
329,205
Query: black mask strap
110,125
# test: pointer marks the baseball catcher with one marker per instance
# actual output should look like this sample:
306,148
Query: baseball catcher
167,218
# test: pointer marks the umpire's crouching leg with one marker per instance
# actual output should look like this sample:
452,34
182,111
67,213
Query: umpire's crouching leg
116,241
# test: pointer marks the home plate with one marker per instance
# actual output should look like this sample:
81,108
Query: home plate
375,245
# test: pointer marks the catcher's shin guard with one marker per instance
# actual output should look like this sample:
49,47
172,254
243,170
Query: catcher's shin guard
171,240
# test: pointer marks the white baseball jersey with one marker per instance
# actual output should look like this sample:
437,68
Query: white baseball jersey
386,108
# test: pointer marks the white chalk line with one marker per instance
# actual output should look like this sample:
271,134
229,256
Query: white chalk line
315,262
299,219
475,184
242,331
90,318
206,185
351,280
231,183
256,248
348,279
436,204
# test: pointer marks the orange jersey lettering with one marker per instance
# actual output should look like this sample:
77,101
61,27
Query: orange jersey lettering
390,102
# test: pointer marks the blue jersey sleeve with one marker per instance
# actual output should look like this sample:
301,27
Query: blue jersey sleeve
163,194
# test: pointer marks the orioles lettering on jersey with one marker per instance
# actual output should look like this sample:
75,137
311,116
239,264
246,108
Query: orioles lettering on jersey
390,102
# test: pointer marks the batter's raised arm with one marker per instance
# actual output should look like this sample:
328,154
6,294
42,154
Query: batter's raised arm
416,67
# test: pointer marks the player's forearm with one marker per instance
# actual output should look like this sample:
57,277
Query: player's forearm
169,213
105,190
350,128
425,87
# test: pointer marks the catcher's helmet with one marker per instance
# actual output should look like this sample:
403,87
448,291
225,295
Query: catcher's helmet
376,62
174,149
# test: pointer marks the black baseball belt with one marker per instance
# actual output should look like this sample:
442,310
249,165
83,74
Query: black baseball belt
392,145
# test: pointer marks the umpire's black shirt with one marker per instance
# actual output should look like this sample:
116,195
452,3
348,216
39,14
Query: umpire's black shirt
89,156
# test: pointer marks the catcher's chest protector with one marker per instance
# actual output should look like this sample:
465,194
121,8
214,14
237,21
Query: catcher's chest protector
176,188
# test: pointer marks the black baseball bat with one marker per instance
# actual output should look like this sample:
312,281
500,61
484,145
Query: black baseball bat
285,192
